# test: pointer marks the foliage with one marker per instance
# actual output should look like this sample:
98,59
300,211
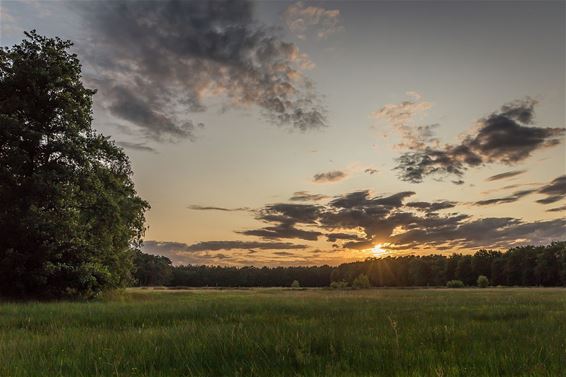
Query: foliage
152,270
295,284
69,213
277,333
520,266
217,276
342,284
483,281
455,284
361,282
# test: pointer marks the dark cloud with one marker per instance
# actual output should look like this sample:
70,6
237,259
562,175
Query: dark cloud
212,208
283,230
286,217
304,196
503,137
163,247
333,237
283,253
554,191
358,220
331,176
136,146
155,62
506,199
371,171
507,174
290,213
432,207
557,209
360,199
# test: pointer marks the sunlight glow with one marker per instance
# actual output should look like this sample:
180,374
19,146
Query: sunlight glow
378,250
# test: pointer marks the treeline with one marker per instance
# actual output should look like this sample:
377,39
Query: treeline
154,270
520,266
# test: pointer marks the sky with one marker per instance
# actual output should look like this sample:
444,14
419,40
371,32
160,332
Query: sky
309,133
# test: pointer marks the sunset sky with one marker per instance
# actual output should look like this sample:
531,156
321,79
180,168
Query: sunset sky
307,133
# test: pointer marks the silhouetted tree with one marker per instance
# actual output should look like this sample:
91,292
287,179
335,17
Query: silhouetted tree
152,270
464,270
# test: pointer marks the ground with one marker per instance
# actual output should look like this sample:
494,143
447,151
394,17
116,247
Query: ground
290,332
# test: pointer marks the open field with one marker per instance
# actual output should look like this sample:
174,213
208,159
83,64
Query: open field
277,332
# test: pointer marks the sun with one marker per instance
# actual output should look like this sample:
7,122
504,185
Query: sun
378,250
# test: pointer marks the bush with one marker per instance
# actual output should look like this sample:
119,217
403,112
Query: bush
361,282
295,284
483,281
455,284
339,284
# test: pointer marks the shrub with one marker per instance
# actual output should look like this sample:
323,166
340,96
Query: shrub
455,284
295,284
483,281
339,284
361,282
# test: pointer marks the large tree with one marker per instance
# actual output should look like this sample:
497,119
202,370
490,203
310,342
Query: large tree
70,217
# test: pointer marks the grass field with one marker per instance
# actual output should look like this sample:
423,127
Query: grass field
276,332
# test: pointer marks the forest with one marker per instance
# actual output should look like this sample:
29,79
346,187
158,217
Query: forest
518,266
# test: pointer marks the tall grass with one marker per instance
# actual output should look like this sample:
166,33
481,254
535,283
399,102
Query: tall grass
271,332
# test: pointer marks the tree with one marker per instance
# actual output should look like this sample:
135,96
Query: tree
464,270
295,284
483,281
69,214
455,284
361,282
152,270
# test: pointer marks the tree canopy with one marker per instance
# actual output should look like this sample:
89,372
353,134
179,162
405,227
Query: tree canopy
70,217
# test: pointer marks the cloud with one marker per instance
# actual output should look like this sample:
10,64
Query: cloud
285,218
505,175
205,252
283,230
371,171
401,118
218,245
157,63
506,199
432,207
213,208
360,220
311,20
329,177
557,209
504,137
554,191
304,196
136,146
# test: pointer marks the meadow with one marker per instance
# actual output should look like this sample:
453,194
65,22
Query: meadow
285,332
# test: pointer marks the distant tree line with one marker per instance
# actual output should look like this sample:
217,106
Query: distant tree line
519,266
154,270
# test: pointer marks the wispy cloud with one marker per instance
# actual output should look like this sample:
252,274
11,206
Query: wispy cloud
305,196
329,177
143,147
197,207
554,191
402,118
305,21
505,175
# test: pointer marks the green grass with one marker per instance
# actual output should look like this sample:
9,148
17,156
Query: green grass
276,332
